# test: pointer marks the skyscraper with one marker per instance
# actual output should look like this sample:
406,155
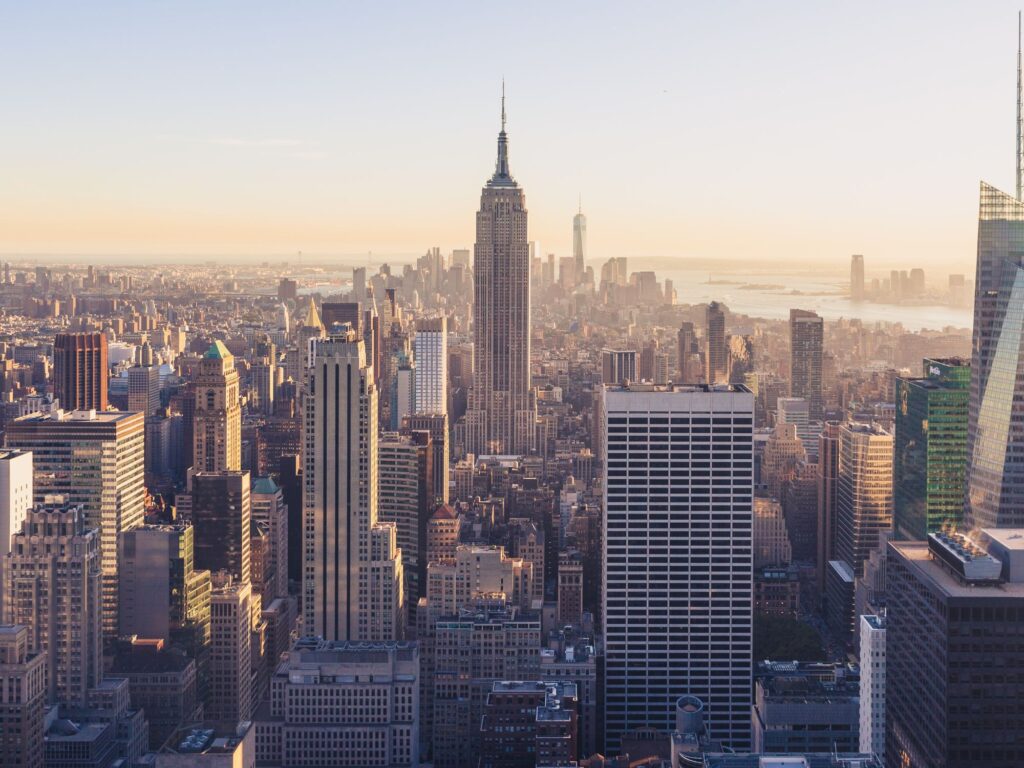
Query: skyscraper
96,461
579,243
619,366
437,425
677,556
954,621
864,493
686,344
995,433
340,491
805,337
15,495
80,371
163,596
52,586
857,277
502,413
828,490
430,351
221,513
405,498
931,448
144,389
231,680
22,695
217,433
716,346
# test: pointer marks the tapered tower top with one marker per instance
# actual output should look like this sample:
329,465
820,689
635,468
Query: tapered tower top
502,176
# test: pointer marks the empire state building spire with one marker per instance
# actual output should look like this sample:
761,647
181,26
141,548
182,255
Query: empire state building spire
502,177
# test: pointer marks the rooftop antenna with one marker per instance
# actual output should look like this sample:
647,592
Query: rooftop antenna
503,93
1020,116
581,203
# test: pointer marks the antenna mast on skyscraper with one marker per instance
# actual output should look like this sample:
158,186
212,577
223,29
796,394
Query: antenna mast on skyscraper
503,96
1020,116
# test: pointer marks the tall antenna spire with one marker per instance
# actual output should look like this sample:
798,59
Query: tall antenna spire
503,93
1020,118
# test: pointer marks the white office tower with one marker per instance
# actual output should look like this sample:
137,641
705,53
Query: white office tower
872,685
677,581
340,494
15,494
430,350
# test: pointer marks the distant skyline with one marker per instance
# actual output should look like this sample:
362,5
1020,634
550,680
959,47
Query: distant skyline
738,131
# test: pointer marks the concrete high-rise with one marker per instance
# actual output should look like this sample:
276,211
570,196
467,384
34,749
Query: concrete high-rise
872,685
955,616
162,595
270,511
686,346
96,461
217,430
437,425
995,435
828,490
430,351
51,585
340,491
22,696
80,375
857,277
405,498
677,556
716,346
806,331
342,704
144,389
502,412
619,366
230,685
864,493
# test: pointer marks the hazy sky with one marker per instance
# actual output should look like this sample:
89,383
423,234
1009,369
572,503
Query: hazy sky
762,131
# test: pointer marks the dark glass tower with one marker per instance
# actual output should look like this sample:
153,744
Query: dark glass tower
995,438
931,448
805,336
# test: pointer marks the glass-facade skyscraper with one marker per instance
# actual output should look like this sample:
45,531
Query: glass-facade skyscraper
995,438
931,448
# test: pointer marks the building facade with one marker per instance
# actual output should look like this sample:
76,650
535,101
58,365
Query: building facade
995,433
806,332
80,373
51,584
678,557
502,413
96,462
217,426
350,705
340,491
930,453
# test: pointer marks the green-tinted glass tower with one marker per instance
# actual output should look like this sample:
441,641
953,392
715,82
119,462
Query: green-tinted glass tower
931,448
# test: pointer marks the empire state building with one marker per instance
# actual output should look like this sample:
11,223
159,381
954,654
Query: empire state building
502,410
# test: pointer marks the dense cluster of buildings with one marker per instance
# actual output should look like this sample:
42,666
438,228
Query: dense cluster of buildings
358,520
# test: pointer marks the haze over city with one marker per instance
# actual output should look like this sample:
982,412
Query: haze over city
734,131
589,386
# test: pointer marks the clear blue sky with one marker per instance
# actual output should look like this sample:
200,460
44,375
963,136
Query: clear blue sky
762,131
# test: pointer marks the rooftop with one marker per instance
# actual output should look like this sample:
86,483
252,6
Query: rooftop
920,559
